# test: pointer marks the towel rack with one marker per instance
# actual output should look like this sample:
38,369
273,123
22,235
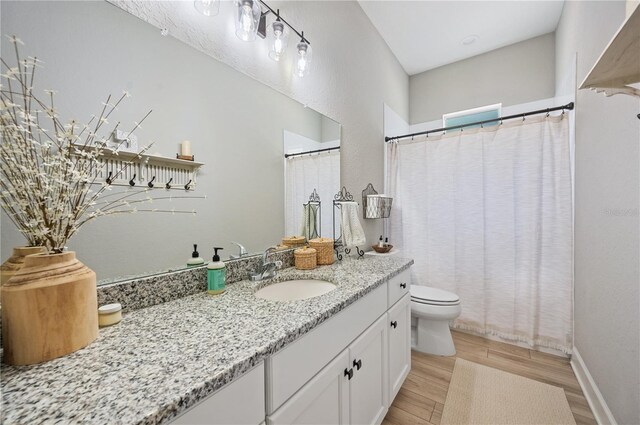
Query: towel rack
314,200
342,196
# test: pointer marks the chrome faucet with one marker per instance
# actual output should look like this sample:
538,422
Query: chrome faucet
243,251
267,270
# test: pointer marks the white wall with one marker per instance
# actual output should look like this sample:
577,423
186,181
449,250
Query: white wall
607,223
515,74
228,116
353,72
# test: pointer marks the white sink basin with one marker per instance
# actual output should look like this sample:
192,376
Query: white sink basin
292,290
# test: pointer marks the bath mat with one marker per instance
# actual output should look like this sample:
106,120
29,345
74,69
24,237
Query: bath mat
483,395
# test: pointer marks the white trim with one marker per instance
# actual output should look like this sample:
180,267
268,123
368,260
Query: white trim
495,106
591,392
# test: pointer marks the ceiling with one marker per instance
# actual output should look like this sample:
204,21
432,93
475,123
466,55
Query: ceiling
427,34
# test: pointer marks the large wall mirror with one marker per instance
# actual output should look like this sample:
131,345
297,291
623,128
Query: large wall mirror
239,128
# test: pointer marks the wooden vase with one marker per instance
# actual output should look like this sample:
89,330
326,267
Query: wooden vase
16,261
49,309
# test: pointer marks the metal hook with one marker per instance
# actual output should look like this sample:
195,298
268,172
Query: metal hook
132,181
548,112
168,185
188,185
150,184
109,180
522,117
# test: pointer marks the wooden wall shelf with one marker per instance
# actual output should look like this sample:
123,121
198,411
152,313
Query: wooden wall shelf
619,65
176,172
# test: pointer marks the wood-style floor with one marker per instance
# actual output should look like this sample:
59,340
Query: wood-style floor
421,398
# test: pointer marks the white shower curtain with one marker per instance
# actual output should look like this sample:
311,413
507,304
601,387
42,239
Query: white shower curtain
487,214
303,174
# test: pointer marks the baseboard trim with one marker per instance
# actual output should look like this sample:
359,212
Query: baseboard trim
591,392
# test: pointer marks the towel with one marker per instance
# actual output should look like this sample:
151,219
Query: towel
309,224
352,232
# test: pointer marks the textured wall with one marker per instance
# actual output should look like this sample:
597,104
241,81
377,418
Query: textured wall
515,74
607,224
234,121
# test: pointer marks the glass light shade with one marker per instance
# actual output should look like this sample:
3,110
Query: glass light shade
207,7
247,20
303,59
278,39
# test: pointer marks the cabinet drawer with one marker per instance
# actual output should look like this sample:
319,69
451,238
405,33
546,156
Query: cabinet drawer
239,402
399,286
288,370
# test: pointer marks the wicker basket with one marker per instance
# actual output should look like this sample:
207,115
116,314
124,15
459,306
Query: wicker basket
293,241
324,246
305,258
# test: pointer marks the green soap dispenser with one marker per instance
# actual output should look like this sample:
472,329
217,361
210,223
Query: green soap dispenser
216,274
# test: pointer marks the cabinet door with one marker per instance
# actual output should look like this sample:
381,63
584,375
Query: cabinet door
323,400
369,387
399,326
240,402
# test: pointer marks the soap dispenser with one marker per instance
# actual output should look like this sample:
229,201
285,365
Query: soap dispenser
216,274
195,259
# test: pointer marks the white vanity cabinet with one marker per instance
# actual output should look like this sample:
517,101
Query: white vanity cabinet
239,402
370,344
323,400
368,388
352,389
399,322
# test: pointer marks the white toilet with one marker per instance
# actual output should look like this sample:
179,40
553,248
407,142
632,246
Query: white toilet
431,311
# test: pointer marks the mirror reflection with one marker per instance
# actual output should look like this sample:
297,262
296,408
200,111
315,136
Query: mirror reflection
238,128
312,178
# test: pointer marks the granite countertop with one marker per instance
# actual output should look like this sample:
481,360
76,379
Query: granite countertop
163,359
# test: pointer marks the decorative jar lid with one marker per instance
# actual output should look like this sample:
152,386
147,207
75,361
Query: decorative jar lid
109,308
306,251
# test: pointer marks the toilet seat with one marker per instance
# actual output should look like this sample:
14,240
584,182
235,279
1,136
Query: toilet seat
433,296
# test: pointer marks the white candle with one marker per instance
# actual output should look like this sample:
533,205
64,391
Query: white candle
185,148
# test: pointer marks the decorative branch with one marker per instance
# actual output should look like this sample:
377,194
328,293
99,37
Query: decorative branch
48,176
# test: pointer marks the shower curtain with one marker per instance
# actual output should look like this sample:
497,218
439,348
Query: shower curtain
487,214
303,174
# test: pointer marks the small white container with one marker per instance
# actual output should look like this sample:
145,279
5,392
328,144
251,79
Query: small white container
109,314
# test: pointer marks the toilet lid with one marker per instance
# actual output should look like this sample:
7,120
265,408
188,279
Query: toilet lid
429,295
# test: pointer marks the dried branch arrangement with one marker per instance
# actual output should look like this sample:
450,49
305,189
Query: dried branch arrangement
48,172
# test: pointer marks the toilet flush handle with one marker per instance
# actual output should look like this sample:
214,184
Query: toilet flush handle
394,324
403,285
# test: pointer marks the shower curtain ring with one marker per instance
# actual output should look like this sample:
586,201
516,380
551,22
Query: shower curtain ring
522,117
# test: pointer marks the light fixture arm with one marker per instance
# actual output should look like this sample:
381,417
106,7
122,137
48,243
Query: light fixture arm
280,18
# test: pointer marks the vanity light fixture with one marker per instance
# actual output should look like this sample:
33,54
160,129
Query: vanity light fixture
249,13
251,20
279,37
207,7
304,57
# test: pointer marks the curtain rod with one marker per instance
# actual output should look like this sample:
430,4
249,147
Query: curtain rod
288,155
568,106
